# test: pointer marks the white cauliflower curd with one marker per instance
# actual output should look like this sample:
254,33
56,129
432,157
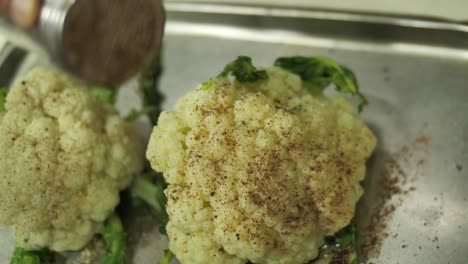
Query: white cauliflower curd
260,171
64,158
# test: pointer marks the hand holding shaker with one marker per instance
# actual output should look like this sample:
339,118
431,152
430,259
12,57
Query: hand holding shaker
99,41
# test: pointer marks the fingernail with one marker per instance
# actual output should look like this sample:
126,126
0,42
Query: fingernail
24,12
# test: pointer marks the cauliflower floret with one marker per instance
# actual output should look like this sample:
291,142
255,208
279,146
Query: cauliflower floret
258,172
64,160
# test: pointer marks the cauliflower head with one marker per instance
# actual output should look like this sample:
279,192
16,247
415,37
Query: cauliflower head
258,172
64,159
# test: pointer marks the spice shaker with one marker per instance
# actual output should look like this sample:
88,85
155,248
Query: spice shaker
100,41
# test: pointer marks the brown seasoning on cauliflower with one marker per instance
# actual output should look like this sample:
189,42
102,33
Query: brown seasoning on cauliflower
258,172
64,160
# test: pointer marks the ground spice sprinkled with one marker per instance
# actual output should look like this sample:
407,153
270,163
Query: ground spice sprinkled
395,184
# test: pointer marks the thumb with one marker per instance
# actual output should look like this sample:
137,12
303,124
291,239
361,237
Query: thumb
23,12
4,6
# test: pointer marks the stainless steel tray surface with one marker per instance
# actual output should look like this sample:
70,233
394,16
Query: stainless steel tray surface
414,72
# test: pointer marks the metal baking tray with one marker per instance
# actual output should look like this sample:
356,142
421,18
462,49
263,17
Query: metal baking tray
414,72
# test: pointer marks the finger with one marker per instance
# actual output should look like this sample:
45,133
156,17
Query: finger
4,6
24,12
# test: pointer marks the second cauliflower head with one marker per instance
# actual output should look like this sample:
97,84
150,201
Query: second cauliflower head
260,171
64,159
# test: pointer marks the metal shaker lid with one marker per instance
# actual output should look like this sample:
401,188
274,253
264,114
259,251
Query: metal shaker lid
103,41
